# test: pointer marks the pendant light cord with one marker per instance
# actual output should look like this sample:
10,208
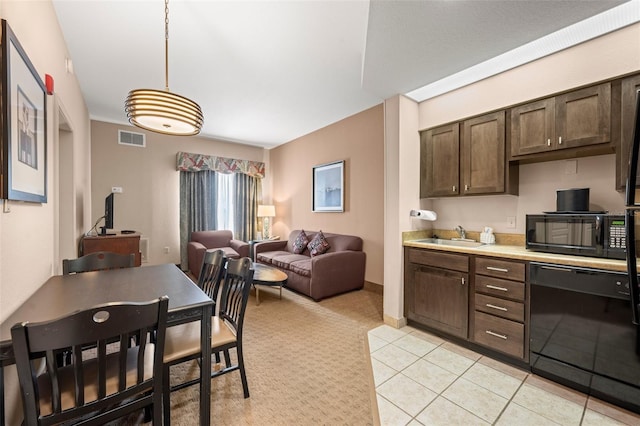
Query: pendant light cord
166,44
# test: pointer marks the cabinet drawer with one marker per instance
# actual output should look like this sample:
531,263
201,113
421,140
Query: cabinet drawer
457,262
500,307
501,288
500,268
499,334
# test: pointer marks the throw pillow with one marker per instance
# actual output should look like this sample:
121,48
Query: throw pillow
318,245
300,243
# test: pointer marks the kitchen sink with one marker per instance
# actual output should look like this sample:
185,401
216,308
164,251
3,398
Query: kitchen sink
453,242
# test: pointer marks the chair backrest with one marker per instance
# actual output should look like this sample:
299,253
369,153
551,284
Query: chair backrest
238,278
114,382
211,274
98,261
213,239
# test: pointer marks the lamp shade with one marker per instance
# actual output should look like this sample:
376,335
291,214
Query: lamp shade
163,112
266,210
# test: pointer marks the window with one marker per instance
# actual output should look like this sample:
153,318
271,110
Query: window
226,201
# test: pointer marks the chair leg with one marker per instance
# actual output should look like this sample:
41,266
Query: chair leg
166,396
227,358
243,375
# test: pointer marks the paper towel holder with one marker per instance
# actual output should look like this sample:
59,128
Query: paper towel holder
424,214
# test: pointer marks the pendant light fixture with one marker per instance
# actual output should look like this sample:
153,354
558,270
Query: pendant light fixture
160,110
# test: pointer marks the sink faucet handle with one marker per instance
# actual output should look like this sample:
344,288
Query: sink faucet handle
461,232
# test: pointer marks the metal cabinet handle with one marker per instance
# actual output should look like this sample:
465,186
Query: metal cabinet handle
500,308
466,187
548,142
559,140
463,281
454,188
502,336
555,268
493,268
493,287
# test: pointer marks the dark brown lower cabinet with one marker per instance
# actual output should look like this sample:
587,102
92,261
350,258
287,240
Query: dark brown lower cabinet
436,296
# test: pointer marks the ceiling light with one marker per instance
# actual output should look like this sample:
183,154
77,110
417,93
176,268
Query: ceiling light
160,110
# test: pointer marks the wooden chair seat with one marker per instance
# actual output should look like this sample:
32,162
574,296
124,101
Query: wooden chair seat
183,341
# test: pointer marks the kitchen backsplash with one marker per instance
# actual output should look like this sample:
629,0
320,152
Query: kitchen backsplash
537,193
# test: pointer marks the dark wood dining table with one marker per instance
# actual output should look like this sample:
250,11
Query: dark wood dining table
63,294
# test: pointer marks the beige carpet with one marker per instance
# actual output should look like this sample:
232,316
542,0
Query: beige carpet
307,364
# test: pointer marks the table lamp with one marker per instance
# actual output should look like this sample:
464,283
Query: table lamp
266,212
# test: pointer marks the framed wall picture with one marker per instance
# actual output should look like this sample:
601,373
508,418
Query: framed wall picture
328,187
24,124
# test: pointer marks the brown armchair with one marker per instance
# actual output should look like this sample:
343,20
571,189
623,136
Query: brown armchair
201,241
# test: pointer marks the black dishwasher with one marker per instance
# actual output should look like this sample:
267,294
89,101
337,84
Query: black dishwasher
581,332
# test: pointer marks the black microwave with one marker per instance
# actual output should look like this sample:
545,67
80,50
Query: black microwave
587,234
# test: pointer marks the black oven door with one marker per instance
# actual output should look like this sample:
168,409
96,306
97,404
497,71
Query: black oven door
580,235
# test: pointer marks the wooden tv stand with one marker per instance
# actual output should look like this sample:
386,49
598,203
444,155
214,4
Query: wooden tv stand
118,243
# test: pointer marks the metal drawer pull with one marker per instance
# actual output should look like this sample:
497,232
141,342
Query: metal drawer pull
463,281
554,268
548,142
493,268
500,308
502,336
560,140
493,287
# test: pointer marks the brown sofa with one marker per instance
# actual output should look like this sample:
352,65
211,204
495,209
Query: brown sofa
202,241
339,270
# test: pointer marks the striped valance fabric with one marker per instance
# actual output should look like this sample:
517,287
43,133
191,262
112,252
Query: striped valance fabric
188,162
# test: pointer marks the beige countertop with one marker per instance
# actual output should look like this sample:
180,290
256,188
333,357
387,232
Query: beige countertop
519,252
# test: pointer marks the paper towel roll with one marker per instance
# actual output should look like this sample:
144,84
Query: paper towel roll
423,214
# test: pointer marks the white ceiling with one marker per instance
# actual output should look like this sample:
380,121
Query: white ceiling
266,72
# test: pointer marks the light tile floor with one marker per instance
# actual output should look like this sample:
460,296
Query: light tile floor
422,379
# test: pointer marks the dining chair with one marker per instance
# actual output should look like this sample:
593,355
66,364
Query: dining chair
95,388
98,261
183,342
211,273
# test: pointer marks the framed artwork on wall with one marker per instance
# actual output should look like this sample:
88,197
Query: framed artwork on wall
23,124
328,187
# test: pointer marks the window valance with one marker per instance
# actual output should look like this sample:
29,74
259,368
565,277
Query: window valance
188,162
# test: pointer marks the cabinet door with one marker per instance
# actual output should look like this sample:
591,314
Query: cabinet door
532,127
630,87
440,299
483,154
439,161
583,117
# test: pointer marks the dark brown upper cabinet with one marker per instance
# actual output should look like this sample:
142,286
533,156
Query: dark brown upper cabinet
483,154
440,161
571,120
467,158
630,87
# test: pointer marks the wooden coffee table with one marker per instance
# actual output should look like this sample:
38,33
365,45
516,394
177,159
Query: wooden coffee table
267,276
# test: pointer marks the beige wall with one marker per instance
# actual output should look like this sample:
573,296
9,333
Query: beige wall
608,56
150,202
30,244
359,141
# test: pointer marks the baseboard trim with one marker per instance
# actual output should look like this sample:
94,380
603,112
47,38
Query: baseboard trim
394,322
376,288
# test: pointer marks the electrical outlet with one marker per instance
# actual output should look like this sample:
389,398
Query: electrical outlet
511,222
166,250
116,189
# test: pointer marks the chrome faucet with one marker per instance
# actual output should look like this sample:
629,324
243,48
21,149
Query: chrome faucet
461,232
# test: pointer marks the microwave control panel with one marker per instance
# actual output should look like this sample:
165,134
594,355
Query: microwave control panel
617,238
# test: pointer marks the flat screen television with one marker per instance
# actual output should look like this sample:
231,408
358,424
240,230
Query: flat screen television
108,214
